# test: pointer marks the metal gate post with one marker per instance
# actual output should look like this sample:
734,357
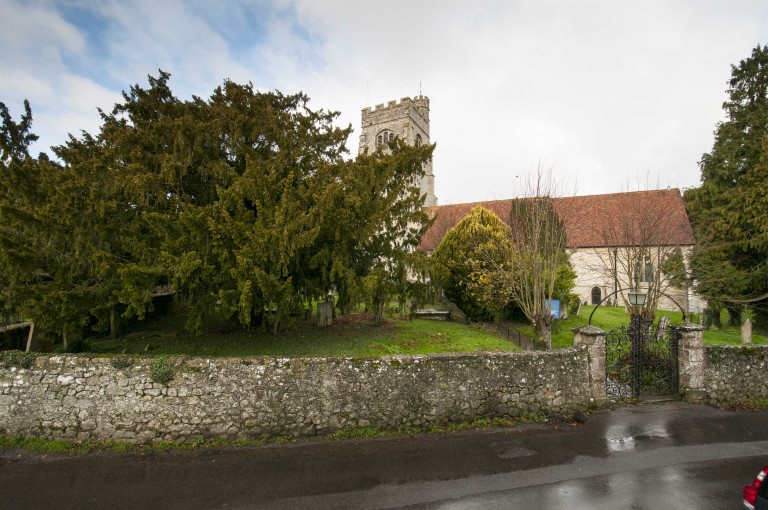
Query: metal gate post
674,359
636,352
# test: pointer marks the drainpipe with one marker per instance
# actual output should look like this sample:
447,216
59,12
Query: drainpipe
615,273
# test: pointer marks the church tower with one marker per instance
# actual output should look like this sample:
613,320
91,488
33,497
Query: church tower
407,119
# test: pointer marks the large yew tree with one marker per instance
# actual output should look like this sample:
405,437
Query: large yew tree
728,212
241,204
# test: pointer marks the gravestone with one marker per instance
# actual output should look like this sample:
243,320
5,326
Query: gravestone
746,332
661,327
325,313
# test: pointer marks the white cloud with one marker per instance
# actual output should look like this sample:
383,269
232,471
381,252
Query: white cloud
602,91
146,35
33,51
606,92
35,34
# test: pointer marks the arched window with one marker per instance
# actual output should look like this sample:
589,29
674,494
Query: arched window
646,274
596,295
384,137
418,140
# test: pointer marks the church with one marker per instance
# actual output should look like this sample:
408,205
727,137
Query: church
408,120
603,232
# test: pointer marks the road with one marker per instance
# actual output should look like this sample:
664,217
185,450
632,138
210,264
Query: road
645,457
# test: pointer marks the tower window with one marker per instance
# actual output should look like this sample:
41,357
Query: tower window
384,137
418,140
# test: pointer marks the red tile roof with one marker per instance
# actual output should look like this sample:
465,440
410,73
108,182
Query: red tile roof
592,220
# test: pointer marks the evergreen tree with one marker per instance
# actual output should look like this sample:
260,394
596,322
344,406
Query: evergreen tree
241,204
469,261
20,192
728,211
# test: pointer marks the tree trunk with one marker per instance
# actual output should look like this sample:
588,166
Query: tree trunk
712,317
276,326
543,331
257,319
401,304
379,313
112,332
344,304
33,340
734,316
64,336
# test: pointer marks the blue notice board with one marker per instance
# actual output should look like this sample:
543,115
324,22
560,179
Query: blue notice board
554,307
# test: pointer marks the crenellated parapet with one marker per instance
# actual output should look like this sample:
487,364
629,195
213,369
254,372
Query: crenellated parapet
405,107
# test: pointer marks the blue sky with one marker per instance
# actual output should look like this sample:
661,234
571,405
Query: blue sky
612,95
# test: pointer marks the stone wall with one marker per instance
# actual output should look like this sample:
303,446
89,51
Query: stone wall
738,372
89,398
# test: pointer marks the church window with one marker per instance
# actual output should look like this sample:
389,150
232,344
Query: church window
384,138
418,140
646,275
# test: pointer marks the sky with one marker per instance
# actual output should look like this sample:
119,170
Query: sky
609,96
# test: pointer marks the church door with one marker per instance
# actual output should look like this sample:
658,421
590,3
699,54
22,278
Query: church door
596,295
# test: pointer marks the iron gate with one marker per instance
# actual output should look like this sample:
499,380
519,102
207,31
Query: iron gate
641,359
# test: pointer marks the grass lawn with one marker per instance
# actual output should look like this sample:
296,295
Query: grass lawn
353,335
608,317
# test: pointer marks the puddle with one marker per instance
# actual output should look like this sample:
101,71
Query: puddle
630,436
511,452
627,443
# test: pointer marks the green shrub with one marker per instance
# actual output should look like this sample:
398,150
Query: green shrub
18,359
463,267
161,371
121,362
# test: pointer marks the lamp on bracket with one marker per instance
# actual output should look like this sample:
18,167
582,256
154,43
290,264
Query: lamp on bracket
636,298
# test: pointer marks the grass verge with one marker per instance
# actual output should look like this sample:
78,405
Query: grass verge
755,404
75,447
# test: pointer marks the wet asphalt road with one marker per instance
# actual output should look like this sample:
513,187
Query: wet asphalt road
646,457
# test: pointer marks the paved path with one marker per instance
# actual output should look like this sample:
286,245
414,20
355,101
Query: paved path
647,457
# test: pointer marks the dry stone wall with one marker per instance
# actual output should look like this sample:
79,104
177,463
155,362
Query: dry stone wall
738,372
83,397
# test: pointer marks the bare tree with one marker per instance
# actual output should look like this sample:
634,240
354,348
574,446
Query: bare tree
539,240
538,243
642,234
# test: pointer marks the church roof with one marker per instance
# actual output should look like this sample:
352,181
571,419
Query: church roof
592,220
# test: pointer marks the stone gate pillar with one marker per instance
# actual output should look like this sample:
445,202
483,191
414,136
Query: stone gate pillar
690,359
594,340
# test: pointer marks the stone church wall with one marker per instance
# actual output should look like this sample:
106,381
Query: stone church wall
591,267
